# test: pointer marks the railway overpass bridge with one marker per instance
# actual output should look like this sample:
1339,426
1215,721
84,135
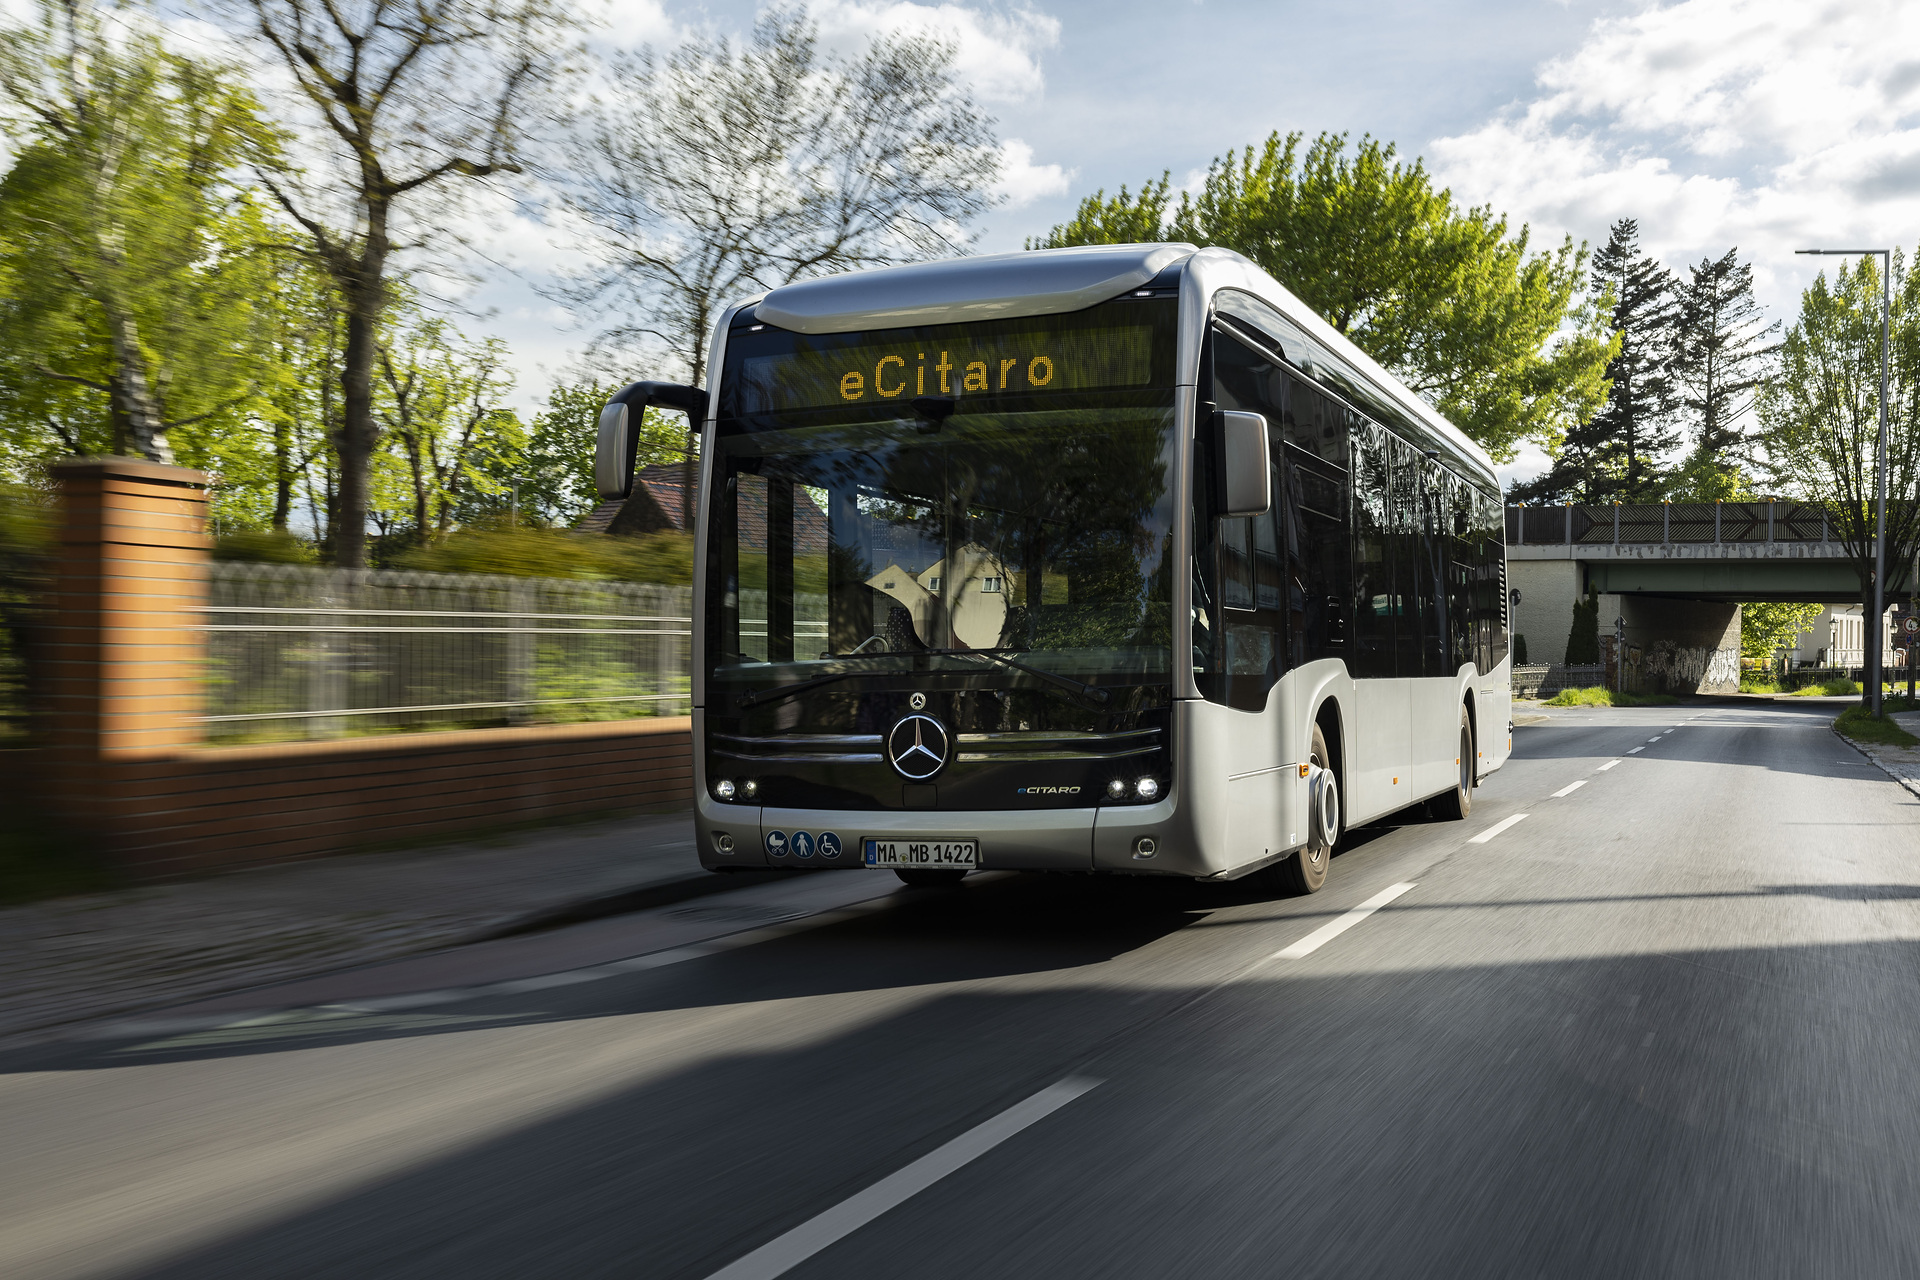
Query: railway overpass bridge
1676,573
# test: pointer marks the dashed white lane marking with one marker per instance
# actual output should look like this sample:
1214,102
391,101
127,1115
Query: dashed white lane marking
1334,928
1634,751
1569,789
1495,829
1608,765
783,1253
1656,737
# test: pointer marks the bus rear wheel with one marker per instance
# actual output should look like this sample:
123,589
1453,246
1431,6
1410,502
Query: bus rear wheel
1450,806
929,878
1304,870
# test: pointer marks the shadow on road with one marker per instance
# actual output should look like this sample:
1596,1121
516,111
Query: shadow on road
1622,1115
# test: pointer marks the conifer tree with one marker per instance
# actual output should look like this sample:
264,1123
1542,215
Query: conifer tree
1615,456
1721,353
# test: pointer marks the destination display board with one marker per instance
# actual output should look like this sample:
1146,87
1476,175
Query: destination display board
958,361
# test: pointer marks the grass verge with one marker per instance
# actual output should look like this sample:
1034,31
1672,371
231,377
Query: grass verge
1598,697
1858,724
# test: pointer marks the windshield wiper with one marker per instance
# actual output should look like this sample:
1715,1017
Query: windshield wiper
1085,690
779,691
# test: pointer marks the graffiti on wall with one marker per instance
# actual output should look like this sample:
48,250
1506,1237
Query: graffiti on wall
1692,668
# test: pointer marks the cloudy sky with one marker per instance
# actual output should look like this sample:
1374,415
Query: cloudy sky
1717,123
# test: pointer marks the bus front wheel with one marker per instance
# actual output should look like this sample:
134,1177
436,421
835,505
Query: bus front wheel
1305,869
1450,806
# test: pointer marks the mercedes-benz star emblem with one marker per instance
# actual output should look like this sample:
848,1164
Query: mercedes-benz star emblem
917,746
919,700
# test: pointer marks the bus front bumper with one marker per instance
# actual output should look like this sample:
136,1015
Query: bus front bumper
1148,839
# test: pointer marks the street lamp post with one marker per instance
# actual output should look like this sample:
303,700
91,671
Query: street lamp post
1876,646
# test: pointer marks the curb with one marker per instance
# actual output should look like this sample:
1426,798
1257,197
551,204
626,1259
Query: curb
1908,783
579,911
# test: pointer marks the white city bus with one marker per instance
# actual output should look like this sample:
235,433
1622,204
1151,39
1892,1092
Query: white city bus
1109,559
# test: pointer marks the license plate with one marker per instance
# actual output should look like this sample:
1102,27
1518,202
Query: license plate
923,853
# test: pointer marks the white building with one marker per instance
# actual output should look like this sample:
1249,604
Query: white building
1838,640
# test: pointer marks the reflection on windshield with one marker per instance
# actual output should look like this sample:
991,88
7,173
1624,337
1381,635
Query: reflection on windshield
1042,533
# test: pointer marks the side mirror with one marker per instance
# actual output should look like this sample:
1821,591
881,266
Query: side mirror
1244,481
619,437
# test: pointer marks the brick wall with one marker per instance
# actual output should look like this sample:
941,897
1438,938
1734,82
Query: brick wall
122,761
221,807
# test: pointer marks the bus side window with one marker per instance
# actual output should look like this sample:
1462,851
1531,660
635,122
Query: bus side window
1374,597
1251,572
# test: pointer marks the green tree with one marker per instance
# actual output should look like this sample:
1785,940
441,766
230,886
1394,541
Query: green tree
1503,340
400,103
439,404
298,408
1721,352
557,469
1769,626
129,257
1819,414
1615,456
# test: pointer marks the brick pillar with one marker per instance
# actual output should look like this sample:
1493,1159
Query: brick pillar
124,650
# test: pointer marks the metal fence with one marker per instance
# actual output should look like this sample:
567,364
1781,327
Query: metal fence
1668,522
1543,680
297,652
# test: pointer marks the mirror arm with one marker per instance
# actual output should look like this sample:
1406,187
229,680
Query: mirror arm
618,443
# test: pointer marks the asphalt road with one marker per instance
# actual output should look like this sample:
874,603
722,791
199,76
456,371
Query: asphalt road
1667,1023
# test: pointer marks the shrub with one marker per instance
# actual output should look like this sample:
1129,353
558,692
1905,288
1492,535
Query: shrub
1583,641
265,546
665,558
1598,697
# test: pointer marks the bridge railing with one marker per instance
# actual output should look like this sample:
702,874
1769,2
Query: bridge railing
1578,524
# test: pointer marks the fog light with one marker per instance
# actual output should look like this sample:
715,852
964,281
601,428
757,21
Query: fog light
723,842
750,788
1144,847
1117,789
724,788
1146,788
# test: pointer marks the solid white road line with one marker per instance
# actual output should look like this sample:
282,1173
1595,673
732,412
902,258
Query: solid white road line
1334,928
1634,751
1569,789
782,1254
1496,829
1608,765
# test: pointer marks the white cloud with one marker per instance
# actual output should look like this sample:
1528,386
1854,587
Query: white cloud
1022,181
996,52
1716,123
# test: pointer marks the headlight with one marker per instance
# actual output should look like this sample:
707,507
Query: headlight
724,788
1117,789
1146,788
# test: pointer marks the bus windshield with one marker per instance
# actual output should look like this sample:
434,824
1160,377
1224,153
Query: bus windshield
900,532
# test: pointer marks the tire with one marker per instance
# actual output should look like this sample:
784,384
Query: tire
1451,806
1304,870
921,878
